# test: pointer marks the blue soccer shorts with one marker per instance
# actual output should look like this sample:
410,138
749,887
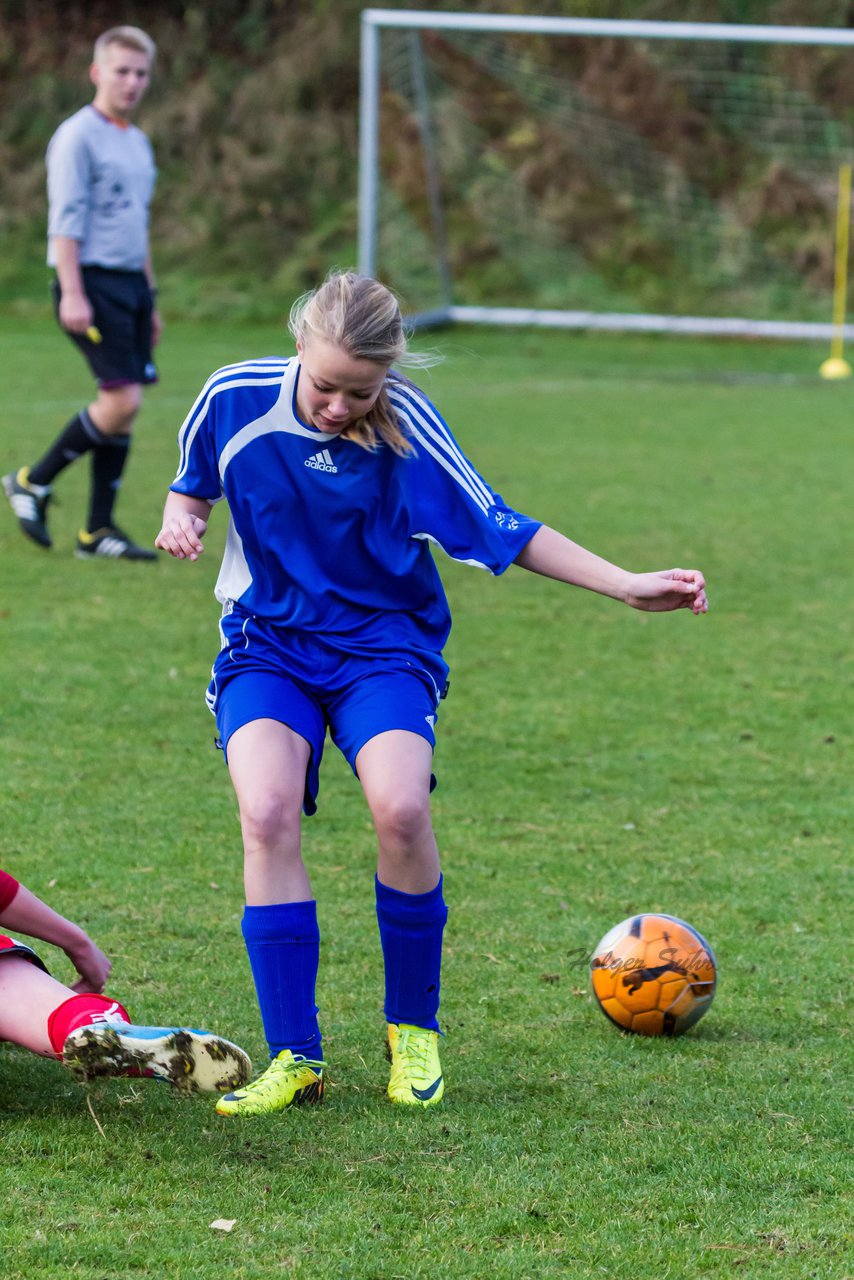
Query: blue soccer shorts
267,672
122,305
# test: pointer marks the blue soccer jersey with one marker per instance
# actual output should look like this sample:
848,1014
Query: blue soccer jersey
327,537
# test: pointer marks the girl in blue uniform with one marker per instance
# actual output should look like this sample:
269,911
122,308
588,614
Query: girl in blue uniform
338,474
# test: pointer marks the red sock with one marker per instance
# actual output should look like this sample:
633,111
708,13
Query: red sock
80,1011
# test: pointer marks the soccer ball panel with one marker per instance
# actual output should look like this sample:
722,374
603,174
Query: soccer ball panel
618,934
638,991
648,1024
674,994
617,1013
605,983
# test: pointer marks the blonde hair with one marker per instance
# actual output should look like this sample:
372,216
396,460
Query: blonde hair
363,317
129,38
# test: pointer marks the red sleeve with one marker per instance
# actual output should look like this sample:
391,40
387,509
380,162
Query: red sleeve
8,889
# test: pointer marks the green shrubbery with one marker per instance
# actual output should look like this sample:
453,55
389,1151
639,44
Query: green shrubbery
254,117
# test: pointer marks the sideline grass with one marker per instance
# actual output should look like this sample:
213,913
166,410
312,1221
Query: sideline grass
592,762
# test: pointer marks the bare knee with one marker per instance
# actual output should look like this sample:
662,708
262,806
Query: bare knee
402,821
270,822
114,411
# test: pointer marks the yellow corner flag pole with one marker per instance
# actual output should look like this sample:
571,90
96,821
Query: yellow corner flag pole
836,366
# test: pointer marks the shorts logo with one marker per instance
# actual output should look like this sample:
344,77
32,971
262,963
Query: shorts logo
322,462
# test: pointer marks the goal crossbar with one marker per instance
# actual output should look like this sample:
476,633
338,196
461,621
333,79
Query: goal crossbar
619,28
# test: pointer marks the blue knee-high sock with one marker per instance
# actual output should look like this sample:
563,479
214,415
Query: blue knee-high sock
411,926
283,941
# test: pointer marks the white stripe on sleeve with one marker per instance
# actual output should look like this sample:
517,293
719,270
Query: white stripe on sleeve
224,379
418,413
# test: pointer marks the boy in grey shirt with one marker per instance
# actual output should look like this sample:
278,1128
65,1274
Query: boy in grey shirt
101,177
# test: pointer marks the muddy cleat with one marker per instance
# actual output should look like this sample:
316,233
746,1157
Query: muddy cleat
290,1081
29,503
190,1060
111,544
416,1072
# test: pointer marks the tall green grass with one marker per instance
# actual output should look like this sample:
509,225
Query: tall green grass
592,762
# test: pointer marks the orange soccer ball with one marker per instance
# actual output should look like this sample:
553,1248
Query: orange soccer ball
654,975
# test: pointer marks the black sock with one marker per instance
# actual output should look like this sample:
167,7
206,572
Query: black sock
76,438
108,463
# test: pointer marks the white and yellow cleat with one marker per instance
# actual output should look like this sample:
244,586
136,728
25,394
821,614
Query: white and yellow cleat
416,1072
188,1059
29,503
112,544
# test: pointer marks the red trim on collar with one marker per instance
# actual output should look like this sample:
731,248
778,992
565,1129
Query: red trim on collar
120,124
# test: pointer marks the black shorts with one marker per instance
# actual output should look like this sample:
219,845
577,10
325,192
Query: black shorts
122,306
11,947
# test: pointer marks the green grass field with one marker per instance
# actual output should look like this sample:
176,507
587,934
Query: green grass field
592,762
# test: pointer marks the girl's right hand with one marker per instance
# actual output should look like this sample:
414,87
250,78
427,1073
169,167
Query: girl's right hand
182,536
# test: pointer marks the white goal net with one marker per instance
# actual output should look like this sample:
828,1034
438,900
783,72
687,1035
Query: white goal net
612,174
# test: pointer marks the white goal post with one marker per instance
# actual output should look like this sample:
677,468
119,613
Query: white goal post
604,174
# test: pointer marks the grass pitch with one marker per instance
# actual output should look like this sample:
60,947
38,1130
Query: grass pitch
592,762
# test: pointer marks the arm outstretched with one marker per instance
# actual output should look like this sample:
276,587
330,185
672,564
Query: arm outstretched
554,556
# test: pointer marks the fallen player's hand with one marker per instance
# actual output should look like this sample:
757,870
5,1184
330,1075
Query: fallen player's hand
90,962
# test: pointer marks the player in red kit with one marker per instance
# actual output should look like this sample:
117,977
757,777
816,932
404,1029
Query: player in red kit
90,1032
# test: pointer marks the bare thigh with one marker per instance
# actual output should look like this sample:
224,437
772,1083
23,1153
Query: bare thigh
268,762
28,996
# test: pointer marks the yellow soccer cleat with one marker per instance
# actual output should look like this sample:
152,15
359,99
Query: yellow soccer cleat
290,1081
416,1072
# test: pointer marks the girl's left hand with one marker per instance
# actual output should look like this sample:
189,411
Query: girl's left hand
667,590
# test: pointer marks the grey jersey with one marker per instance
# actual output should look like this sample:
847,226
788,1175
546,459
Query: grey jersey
100,180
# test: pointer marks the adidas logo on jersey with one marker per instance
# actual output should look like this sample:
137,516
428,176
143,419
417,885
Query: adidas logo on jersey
321,461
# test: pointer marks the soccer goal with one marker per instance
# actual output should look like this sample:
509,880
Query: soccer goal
592,173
